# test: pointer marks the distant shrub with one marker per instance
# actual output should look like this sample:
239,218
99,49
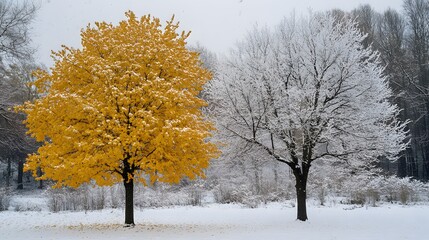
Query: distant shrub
87,197
225,193
26,207
4,200
406,190
195,196
164,195
372,189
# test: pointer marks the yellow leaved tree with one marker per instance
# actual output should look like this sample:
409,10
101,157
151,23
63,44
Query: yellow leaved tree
123,107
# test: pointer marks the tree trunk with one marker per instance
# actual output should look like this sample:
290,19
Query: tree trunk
39,174
257,177
129,203
426,164
9,172
301,195
402,165
20,174
40,184
276,176
301,191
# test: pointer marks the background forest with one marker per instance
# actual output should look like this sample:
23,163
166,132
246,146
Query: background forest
243,174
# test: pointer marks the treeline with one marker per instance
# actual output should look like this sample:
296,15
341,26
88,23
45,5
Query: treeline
16,65
402,38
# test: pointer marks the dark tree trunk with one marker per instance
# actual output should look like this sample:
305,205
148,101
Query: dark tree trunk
276,176
402,166
301,191
127,176
9,172
129,202
20,174
301,195
413,163
426,164
39,174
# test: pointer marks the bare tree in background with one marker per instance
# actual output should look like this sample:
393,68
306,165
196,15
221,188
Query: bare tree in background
366,19
417,78
16,65
15,19
389,40
403,43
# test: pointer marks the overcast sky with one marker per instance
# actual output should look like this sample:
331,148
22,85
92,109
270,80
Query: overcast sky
215,24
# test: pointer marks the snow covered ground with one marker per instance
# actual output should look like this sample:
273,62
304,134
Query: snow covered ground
274,221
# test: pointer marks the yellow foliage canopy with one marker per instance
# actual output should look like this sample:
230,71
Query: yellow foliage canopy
123,106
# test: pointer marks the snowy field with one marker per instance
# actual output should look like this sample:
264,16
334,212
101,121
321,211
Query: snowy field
274,221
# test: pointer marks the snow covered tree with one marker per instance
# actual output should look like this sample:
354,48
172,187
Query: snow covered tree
15,20
15,55
308,90
124,108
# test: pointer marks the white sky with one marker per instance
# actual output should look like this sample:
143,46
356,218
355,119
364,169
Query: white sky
215,24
